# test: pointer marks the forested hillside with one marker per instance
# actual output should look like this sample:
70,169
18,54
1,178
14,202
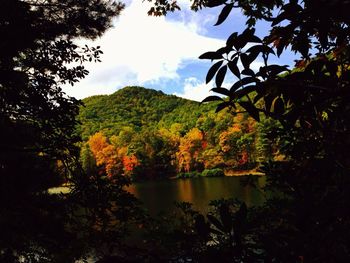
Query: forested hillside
147,134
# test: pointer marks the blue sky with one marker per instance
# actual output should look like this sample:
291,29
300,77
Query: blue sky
160,52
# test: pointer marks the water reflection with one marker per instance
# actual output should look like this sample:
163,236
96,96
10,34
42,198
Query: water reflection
159,196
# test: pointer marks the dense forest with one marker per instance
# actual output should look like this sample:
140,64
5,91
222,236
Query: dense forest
300,116
146,134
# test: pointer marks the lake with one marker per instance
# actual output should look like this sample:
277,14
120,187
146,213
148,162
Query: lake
160,196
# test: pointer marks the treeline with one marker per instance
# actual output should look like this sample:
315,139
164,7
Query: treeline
146,134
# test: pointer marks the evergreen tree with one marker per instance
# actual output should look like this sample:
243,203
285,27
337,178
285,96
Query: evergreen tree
38,54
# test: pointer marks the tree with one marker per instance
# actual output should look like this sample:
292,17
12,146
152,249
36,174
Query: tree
308,218
87,160
38,54
34,68
188,155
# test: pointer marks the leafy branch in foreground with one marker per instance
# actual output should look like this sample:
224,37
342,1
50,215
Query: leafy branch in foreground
306,219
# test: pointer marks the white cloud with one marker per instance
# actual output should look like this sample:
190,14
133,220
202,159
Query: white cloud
195,89
141,49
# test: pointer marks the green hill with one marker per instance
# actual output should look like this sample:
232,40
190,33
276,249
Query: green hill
138,108
146,134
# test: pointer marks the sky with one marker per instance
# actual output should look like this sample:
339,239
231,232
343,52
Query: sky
159,53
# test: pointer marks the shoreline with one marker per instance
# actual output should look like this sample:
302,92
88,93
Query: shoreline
244,173
64,189
231,173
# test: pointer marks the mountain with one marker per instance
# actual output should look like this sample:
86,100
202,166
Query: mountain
138,108
147,134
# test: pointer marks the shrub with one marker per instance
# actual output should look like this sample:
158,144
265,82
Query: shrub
216,172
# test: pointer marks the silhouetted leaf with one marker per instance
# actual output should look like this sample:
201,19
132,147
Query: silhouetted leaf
268,102
216,222
247,37
211,98
248,32
251,109
254,39
220,76
250,37
224,14
301,43
231,39
254,52
244,91
258,96
211,55
278,106
214,231
269,50
248,72
276,69
213,3
222,106
262,72
232,65
242,82
240,42
223,50
245,60
281,45
222,91
212,71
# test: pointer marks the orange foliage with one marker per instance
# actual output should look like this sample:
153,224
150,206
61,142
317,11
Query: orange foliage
235,128
114,160
97,143
225,138
189,149
129,163
104,153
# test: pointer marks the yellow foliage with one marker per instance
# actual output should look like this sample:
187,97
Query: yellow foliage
97,143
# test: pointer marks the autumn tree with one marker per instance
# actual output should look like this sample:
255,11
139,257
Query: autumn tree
104,153
114,158
188,155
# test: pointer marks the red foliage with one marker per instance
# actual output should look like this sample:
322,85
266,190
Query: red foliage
244,158
129,163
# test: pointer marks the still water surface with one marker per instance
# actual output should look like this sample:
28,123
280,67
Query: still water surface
160,196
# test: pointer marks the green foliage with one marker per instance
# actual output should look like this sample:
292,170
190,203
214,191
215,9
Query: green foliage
193,174
217,172
135,107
